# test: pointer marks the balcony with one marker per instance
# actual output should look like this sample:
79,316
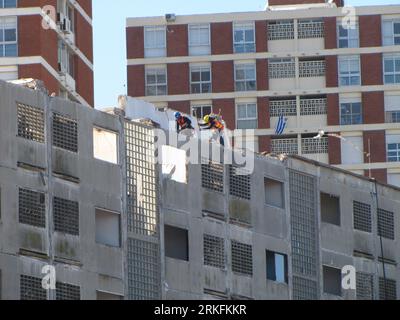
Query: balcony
284,146
280,36
315,149
311,35
282,74
312,74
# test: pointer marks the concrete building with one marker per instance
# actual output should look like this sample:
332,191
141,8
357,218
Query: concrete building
80,190
319,65
60,198
60,54
282,230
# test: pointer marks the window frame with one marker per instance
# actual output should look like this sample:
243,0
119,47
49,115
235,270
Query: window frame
349,37
270,253
197,27
4,25
201,106
241,27
247,119
148,48
4,7
246,81
396,150
352,115
390,40
349,73
156,84
394,73
200,69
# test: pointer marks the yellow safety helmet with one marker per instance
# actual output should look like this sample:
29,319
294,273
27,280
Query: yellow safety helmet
207,118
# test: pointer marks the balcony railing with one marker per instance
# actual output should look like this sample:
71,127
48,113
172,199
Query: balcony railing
282,108
285,146
282,69
314,146
310,29
308,69
281,31
311,107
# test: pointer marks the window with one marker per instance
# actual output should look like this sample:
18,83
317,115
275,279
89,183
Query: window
212,176
244,38
348,36
391,69
105,145
199,39
65,133
155,43
330,209
349,71
277,267
393,152
65,59
66,11
387,289
274,193
214,251
392,108
281,68
364,286
362,216
386,224
246,116
200,79
8,37
281,30
245,77
65,291
31,288
239,182
242,258
108,228
200,111
66,216
156,82
391,32
332,281
176,243
100,295
32,208
8,3
30,123
350,113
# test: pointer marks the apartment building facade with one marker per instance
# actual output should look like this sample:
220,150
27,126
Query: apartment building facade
58,52
60,199
319,66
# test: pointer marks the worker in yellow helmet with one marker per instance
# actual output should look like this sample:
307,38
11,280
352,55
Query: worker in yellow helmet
212,122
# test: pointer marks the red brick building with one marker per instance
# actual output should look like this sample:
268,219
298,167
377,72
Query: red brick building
61,55
321,66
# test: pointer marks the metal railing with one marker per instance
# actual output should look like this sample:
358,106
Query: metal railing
314,146
281,31
308,69
310,29
282,108
285,146
313,106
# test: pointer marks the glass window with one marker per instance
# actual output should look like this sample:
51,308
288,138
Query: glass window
200,111
347,36
200,79
350,113
8,37
156,82
391,32
391,69
277,267
246,115
199,39
155,42
244,38
349,71
394,152
8,3
245,77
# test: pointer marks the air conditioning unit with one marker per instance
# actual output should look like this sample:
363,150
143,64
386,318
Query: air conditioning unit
170,17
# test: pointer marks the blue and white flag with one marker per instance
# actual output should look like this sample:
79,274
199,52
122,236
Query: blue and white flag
281,126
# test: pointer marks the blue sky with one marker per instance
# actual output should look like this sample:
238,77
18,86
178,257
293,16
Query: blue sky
109,33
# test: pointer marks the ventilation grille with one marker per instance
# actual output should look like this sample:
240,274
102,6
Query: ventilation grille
387,292
212,176
239,183
362,216
304,289
143,270
386,224
66,216
32,208
214,251
242,258
31,288
30,123
364,286
66,291
65,133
